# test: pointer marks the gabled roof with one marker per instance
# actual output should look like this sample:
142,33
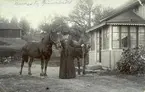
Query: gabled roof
129,5
122,15
8,26
127,17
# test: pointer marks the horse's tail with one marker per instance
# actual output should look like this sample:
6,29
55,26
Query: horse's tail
25,58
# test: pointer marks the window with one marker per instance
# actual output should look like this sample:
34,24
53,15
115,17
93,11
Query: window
115,37
10,33
141,36
92,41
105,38
1,33
16,34
6,33
97,41
133,38
136,9
124,37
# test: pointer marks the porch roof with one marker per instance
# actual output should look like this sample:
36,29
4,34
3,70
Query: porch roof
9,26
126,18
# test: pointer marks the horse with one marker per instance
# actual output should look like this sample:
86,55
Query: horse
41,50
81,51
80,54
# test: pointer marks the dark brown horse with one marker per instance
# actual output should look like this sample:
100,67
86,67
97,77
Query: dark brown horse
41,50
81,51
81,55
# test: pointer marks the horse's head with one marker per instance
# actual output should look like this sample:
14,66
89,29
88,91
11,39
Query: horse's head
56,38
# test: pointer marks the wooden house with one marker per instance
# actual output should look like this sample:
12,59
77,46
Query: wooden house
10,38
124,28
9,30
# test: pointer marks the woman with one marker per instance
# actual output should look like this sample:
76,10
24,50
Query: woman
69,43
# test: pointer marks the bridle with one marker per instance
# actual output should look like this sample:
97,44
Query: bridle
51,39
50,36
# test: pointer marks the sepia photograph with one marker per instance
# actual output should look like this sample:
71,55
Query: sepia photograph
72,45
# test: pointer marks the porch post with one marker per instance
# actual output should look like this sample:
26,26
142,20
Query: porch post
129,39
120,41
110,39
137,36
95,38
110,44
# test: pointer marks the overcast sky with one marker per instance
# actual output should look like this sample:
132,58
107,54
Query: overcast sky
36,12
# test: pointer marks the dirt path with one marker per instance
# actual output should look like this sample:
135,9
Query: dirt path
11,81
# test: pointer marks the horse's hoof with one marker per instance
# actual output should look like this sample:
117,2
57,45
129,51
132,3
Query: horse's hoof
45,74
29,73
20,73
41,74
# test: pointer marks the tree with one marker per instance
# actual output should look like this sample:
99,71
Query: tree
81,15
60,24
25,26
4,20
99,12
57,24
86,14
44,27
14,20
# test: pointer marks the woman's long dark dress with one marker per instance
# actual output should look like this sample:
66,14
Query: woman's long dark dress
67,67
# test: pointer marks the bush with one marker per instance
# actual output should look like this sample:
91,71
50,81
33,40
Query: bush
132,61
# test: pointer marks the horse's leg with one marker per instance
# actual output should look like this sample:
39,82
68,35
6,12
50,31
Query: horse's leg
42,67
46,63
22,64
29,66
78,61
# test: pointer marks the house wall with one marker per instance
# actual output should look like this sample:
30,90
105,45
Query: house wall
110,58
105,58
10,33
105,52
92,52
115,57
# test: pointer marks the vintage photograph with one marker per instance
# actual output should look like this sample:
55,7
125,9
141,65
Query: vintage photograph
72,45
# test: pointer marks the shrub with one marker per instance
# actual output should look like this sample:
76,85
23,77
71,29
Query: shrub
132,61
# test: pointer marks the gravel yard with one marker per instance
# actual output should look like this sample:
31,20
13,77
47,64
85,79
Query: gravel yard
11,81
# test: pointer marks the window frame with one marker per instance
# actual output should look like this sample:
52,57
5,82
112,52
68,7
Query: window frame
129,36
92,41
105,38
